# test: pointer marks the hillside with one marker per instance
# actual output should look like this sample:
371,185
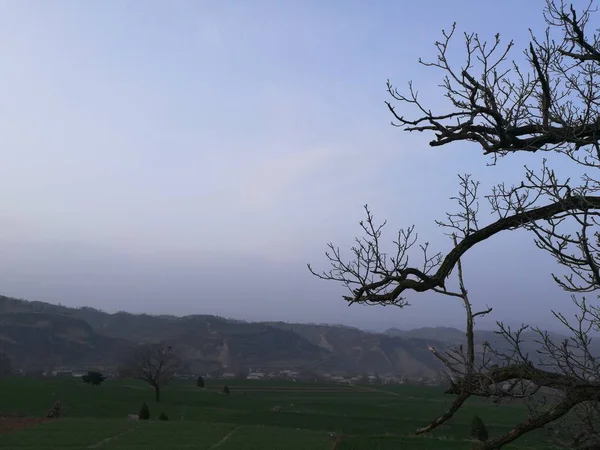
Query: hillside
42,333
531,342
357,349
46,334
40,341
37,334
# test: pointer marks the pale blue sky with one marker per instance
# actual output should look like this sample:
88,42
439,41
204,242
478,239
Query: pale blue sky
192,156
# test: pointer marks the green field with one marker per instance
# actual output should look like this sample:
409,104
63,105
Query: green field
380,418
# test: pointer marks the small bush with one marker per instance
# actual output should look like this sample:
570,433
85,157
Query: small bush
56,411
163,416
144,413
478,429
200,382
226,390
93,378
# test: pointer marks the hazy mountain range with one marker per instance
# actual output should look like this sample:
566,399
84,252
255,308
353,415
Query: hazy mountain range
39,335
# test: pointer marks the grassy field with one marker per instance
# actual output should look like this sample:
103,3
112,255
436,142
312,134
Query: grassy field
366,418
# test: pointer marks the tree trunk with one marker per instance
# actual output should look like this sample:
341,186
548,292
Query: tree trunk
157,393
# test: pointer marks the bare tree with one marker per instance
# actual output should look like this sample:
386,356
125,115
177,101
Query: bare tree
154,364
549,104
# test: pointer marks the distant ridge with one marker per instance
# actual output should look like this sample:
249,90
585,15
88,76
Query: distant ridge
39,335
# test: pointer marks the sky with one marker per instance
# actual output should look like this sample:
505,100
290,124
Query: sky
191,157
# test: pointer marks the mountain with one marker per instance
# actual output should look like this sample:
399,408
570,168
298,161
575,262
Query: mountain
530,342
41,340
443,334
41,334
356,349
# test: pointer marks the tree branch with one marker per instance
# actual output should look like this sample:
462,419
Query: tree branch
424,282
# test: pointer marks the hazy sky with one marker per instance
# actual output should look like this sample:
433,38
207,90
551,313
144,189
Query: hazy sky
192,156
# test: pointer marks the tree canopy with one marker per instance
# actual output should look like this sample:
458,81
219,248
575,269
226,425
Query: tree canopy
93,378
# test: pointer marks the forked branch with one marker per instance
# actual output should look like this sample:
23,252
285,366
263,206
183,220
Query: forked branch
377,285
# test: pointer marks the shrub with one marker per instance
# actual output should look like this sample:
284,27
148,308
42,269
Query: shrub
56,411
93,378
200,382
478,429
144,413
226,390
163,416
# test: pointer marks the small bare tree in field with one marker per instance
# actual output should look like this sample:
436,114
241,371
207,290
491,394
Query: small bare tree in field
548,105
154,364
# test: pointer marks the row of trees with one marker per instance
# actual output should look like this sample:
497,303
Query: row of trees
547,106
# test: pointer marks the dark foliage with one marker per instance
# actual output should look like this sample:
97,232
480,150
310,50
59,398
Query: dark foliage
5,365
93,378
56,411
478,429
144,413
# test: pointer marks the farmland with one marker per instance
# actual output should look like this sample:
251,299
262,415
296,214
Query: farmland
256,415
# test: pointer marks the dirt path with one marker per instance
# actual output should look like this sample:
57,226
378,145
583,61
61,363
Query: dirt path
307,389
14,423
222,441
382,391
111,438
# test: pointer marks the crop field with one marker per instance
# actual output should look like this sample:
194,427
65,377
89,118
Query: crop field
256,415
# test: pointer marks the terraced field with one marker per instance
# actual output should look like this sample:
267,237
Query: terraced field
256,415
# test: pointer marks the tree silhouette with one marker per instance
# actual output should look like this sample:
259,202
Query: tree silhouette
93,378
154,364
549,105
